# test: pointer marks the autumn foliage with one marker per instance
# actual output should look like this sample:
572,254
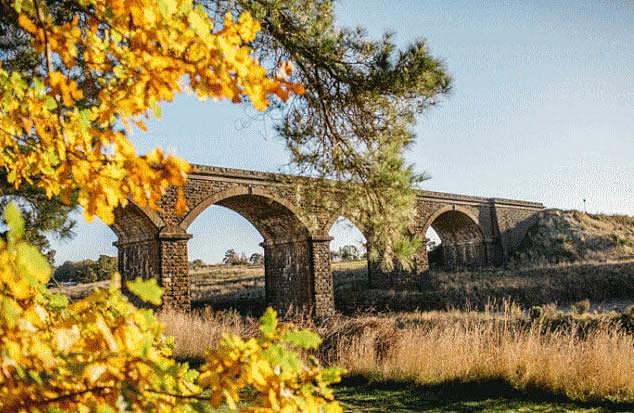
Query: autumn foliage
105,67
108,66
102,354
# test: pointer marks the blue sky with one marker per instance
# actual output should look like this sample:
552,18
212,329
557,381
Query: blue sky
542,109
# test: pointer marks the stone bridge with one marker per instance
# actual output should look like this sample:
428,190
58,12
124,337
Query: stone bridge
474,232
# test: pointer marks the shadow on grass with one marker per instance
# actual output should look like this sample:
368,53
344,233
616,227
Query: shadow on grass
359,394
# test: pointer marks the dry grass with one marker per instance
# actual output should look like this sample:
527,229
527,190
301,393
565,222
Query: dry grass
242,287
562,284
597,366
437,347
199,330
570,236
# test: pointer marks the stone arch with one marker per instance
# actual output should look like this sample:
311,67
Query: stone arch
288,245
135,223
244,192
462,239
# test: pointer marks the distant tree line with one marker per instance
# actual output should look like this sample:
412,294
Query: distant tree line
347,253
86,271
233,258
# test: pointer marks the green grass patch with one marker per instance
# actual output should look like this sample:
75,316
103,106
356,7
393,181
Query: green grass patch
359,394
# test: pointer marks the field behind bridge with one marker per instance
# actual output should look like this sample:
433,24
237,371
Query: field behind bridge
607,285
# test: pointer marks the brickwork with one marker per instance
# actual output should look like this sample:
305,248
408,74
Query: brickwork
288,275
175,270
324,298
474,231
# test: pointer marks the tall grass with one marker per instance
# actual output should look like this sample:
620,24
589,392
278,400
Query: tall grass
197,331
596,366
437,347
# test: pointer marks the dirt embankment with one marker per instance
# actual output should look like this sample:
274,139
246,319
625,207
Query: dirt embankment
571,236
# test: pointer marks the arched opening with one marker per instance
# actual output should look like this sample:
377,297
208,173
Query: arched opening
433,245
285,245
461,241
349,263
226,261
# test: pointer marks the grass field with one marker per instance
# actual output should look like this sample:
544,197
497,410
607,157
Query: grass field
586,358
609,284
472,355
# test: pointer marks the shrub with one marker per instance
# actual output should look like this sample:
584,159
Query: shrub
581,307
536,312
86,271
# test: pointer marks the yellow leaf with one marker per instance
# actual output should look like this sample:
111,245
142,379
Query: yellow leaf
26,24
181,204
64,338
93,372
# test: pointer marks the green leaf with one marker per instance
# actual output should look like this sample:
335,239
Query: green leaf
303,338
331,375
39,88
84,119
268,323
147,290
52,156
50,104
58,301
32,264
9,311
287,360
14,219
35,376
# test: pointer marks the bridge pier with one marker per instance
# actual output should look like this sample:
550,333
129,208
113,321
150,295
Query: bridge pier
174,265
138,258
162,257
298,276
323,289
287,274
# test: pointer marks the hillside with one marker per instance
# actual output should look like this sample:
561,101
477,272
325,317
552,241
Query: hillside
567,236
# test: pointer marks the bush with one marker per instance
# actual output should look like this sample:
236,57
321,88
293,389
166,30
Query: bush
581,307
536,312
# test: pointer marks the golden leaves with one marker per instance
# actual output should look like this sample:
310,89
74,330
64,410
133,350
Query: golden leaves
102,354
282,381
131,56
